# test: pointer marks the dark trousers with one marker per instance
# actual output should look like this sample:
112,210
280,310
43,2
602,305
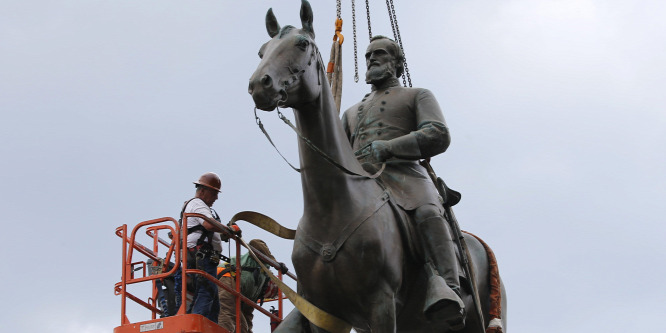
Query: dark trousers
206,301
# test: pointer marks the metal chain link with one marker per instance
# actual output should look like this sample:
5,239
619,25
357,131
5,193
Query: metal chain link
338,10
388,7
367,10
355,47
396,34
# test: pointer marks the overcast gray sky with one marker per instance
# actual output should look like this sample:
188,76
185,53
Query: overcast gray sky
110,109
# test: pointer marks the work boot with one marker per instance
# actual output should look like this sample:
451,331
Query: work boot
443,290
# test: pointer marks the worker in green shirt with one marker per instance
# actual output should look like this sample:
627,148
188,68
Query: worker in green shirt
255,284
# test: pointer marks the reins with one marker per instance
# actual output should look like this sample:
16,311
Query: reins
312,146
263,130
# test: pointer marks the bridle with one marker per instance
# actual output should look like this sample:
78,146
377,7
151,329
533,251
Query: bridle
320,65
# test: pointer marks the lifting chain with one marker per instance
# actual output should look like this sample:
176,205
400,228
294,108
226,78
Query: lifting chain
355,47
338,9
396,34
367,10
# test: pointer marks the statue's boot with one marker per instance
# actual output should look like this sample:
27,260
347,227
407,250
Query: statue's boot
443,289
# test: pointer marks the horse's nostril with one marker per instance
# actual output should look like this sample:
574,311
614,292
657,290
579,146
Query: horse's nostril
250,88
266,81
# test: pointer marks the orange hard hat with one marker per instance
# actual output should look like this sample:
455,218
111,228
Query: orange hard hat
210,180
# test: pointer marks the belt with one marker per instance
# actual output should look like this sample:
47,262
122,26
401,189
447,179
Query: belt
207,252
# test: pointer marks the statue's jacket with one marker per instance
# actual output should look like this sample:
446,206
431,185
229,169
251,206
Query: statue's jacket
412,121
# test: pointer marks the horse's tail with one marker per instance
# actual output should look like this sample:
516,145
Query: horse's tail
495,310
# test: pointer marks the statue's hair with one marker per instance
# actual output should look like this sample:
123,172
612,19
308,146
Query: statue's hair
395,50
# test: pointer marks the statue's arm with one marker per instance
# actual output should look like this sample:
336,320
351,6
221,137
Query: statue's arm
431,136
345,126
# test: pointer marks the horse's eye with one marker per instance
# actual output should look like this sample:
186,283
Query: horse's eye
302,43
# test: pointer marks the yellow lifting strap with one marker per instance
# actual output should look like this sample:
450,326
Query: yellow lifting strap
334,69
315,315
264,222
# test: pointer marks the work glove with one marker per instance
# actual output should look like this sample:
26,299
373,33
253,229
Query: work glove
283,268
234,229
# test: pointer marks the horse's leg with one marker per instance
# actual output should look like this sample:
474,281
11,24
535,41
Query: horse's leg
379,316
383,317
382,320
380,312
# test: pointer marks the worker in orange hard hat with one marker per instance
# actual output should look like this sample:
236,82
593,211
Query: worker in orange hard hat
204,246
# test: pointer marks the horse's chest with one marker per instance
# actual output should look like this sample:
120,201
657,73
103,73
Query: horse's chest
348,271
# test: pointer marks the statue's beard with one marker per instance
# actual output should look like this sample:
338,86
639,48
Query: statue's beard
378,74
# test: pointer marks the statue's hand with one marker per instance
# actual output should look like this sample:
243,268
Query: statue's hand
381,151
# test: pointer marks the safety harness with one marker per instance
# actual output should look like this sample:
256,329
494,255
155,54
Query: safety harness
202,251
205,233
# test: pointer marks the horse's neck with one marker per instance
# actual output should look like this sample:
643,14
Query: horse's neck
327,189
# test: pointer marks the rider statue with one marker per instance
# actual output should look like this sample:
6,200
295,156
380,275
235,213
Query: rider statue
399,126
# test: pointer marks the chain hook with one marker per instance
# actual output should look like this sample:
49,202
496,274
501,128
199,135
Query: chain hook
256,118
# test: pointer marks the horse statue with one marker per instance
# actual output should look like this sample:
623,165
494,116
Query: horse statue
350,251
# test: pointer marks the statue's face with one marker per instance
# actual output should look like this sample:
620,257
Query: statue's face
379,61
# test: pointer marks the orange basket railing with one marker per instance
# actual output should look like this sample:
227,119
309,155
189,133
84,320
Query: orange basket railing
174,250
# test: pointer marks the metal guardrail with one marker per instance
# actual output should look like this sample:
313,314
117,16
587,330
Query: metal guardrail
179,254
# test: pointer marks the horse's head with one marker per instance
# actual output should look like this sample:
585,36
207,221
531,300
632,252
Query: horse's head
288,74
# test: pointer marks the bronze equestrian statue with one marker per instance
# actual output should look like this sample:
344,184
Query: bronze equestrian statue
356,254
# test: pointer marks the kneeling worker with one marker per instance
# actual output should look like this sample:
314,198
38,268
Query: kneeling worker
254,285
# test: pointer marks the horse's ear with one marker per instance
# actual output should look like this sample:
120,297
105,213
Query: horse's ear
272,25
306,18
